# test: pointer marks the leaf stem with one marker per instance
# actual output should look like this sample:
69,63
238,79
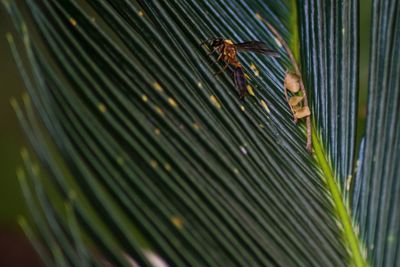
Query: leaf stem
342,212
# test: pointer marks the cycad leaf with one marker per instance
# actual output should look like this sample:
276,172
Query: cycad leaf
157,144
377,185
329,44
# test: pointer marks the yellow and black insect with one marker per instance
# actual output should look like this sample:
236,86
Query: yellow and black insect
228,53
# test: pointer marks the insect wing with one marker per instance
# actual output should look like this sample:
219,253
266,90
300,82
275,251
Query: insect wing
240,82
256,47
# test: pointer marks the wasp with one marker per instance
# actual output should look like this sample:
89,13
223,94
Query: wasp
228,51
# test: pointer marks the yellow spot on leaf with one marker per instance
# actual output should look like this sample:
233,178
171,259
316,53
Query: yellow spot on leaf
157,131
141,13
215,101
254,69
265,106
9,37
153,164
73,22
102,107
158,87
348,182
200,85
167,167
14,103
250,90
236,171
145,98
172,102
242,108
258,16
159,110
177,221
196,126
246,76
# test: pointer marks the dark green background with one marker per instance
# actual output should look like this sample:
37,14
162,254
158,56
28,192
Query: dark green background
11,136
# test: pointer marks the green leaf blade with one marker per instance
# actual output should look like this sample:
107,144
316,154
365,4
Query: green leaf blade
329,38
377,188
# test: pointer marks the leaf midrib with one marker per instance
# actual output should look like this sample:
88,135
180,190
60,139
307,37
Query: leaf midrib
342,212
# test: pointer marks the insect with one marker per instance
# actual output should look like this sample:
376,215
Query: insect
228,53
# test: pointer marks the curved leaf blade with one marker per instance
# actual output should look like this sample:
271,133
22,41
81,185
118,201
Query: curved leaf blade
377,187
329,38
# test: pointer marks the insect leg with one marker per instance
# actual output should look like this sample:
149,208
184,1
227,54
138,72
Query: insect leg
222,70
206,41
220,56
240,82
211,40
212,51
216,61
